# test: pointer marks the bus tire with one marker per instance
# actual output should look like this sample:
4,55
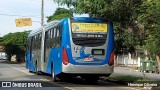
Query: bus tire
54,77
30,71
36,70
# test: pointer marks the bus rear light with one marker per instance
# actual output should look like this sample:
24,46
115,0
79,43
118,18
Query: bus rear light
111,60
65,57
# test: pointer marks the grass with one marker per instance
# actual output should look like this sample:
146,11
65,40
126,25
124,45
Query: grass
128,78
124,80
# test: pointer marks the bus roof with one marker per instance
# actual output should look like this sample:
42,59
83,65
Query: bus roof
39,30
88,19
50,24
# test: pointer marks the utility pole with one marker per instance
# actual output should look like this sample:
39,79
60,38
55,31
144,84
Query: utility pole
41,67
42,13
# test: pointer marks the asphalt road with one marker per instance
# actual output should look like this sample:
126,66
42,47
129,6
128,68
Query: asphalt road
18,72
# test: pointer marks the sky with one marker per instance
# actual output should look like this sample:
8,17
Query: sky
25,9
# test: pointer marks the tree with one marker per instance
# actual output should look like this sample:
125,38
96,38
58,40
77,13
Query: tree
14,44
122,12
59,14
150,18
1,39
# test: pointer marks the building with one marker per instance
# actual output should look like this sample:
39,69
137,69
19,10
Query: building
1,48
2,52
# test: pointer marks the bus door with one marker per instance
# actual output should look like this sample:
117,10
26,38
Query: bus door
30,52
46,48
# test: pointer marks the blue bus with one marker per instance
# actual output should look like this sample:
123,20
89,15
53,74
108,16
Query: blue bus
78,46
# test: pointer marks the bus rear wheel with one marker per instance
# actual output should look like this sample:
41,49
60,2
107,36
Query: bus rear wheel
54,77
36,70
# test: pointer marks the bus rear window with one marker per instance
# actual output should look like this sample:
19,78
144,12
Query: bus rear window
89,34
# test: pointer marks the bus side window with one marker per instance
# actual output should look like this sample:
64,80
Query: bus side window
46,37
27,45
31,45
51,38
40,37
36,42
60,34
32,42
55,36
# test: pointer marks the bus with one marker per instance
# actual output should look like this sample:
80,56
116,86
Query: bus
78,46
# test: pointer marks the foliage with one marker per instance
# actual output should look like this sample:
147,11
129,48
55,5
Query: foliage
136,22
122,12
15,43
115,10
150,19
59,14
1,39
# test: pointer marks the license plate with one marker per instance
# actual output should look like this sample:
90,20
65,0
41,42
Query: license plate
97,51
88,59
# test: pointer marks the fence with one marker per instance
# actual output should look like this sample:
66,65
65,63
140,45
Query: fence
126,60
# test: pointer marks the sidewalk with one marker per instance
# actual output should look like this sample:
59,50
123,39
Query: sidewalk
130,71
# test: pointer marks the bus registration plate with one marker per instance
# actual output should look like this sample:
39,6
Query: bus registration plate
88,59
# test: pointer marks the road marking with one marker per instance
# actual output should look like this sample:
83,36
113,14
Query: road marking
49,81
26,72
56,84
138,88
44,80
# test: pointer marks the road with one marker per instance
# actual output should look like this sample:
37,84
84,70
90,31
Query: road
18,72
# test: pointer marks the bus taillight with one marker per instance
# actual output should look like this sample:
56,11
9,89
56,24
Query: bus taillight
65,57
111,60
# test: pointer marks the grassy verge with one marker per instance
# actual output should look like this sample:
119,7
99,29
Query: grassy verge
127,78
124,80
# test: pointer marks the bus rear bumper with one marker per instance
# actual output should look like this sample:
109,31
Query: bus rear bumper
87,69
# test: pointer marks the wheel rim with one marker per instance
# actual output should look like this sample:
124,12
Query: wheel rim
53,76
36,68
52,73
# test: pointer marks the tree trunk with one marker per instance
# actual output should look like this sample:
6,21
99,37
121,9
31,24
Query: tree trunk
9,57
17,57
115,60
158,61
